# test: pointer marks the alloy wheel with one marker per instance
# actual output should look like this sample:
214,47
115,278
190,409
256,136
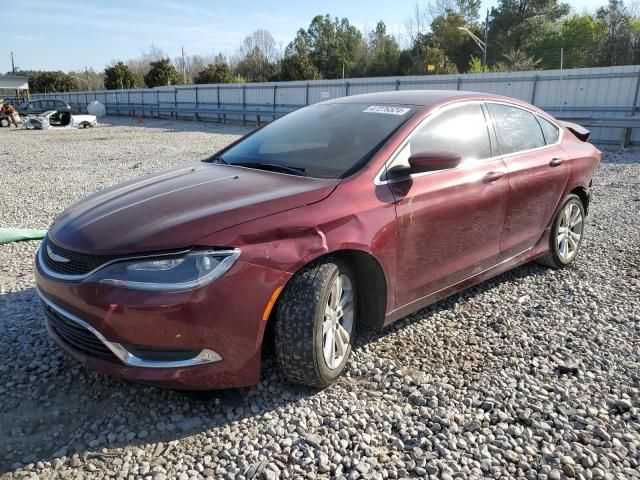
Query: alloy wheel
569,232
337,325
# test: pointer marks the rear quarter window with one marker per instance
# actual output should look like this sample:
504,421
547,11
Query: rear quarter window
549,130
517,129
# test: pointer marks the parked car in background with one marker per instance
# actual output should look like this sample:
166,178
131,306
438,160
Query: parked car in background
55,119
349,213
36,107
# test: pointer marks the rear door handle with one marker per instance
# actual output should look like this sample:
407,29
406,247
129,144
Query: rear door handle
555,162
493,176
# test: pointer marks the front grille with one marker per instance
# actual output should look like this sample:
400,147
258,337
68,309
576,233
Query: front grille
78,264
78,336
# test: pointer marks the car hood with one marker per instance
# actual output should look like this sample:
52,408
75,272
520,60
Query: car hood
176,208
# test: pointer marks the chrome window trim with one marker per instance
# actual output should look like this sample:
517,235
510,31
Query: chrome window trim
126,357
378,178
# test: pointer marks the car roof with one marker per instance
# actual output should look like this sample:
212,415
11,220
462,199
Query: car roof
423,98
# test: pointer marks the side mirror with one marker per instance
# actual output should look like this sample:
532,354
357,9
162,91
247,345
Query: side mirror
432,161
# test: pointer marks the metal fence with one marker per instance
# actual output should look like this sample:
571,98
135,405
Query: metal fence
585,93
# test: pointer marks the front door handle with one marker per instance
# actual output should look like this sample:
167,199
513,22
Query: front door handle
555,162
493,176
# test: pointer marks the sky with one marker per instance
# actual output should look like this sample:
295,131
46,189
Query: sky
74,34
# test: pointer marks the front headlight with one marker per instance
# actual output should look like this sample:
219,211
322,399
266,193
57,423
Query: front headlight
168,274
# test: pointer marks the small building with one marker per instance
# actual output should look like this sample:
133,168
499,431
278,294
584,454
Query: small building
13,87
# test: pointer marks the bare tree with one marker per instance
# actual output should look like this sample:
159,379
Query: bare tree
263,41
154,54
419,22
195,64
140,66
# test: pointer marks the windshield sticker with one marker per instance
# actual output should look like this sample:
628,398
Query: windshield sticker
387,109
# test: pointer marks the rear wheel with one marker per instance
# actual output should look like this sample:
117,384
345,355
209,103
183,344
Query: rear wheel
566,234
315,323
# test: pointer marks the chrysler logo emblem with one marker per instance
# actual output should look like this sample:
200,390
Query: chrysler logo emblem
55,257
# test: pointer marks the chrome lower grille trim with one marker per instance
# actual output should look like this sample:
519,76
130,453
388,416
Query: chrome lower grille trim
120,352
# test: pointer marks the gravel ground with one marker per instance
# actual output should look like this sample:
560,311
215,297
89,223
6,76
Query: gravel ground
533,374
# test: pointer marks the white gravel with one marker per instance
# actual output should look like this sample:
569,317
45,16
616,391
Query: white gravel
534,374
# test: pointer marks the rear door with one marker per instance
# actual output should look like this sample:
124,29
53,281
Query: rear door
33,107
538,173
449,221
60,106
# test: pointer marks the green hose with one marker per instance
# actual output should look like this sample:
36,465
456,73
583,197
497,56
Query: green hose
8,235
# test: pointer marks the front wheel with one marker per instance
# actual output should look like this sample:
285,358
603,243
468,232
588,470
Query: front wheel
315,323
566,234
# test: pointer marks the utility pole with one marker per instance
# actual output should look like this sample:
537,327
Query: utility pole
184,69
13,65
86,76
486,38
561,68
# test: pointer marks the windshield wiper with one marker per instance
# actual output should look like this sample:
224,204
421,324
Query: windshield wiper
274,167
220,160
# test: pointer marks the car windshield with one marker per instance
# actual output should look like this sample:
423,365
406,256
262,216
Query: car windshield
324,141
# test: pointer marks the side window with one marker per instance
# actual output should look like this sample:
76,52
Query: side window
516,129
462,130
549,130
444,133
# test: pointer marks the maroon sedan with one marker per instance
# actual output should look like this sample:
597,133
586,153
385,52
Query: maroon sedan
349,213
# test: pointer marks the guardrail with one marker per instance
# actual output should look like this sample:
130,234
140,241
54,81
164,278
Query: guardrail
197,113
258,115
626,123
585,93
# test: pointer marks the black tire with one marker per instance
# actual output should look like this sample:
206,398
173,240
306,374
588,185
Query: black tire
299,320
552,257
4,122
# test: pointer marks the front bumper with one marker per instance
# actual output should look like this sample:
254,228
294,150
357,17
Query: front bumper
75,332
221,322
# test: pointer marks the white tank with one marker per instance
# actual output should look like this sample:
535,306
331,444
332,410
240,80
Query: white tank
97,109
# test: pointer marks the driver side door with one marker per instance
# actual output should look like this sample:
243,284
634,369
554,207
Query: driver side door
449,221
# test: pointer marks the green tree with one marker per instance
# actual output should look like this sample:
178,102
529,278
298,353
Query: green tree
214,73
334,46
297,64
425,57
517,61
258,57
255,66
119,76
162,73
516,25
617,43
475,65
52,82
468,9
579,36
383,53
456,44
